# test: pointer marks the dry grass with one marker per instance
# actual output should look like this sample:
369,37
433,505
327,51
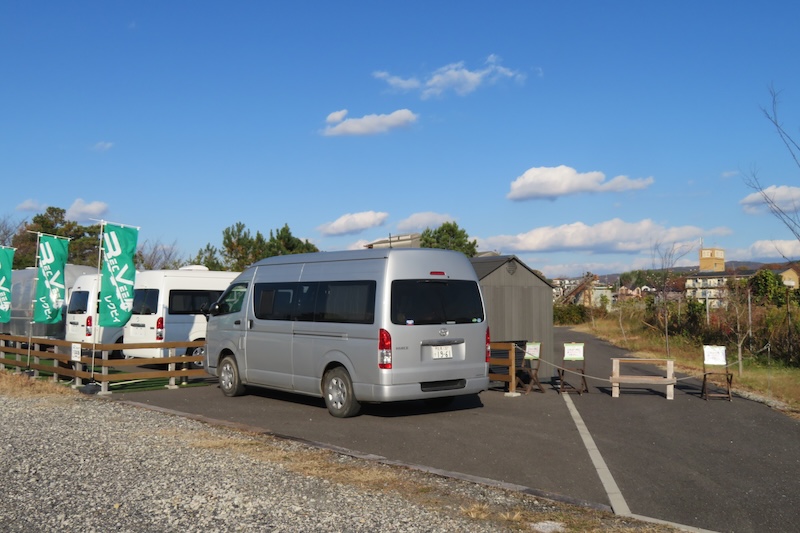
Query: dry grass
23,386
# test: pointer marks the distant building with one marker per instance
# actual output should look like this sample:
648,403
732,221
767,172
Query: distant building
712,259
790,277
409,240
710,288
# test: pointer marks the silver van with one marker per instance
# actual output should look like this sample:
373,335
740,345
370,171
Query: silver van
376,325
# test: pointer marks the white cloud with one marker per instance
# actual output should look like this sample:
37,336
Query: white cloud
612,236
396,82
368,124
772,250
80,211
353,223
31,205
420,221
455,77
785,197
730,174
336,116
102,146
552,182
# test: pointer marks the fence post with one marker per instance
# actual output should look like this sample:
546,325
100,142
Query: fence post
104,372
171,368
512,370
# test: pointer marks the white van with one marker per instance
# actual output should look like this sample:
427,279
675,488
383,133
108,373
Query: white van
83,313
169,306
377,325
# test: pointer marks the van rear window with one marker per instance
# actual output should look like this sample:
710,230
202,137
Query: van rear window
145,301
78,303
425,301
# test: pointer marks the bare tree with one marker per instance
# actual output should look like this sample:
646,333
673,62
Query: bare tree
9,228
788,215
664,260
157,256
737,315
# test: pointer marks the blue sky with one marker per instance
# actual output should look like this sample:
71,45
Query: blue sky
576,135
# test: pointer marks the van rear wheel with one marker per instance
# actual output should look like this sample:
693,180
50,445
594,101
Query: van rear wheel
337,388
229,381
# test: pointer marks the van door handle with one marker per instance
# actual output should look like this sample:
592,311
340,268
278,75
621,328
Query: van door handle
237,322
249,324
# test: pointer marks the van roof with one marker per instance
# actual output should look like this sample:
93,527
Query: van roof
352,255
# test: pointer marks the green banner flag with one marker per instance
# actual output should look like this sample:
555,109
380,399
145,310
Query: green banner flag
50,286
6,263
119,274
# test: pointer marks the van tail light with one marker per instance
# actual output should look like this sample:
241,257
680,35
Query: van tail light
384,350
160,329
89,326
488,345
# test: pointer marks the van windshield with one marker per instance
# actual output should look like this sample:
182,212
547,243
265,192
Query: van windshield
424,301
78,303
145,301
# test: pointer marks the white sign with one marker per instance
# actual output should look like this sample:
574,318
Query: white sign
573,351
532,350
714,355
76,352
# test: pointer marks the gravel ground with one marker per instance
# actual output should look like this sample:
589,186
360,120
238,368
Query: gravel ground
77,463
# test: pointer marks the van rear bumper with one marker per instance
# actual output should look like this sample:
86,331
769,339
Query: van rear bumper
414,391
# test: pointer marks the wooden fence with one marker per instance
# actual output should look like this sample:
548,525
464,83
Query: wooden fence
75,360
59,358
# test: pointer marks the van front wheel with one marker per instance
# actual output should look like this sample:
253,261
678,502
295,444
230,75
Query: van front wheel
337,388
229,381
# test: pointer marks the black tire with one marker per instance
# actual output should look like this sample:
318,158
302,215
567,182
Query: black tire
196,351
337,389
229,381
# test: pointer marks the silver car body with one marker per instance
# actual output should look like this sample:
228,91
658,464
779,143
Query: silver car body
289,319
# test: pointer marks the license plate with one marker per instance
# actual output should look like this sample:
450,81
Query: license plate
138,332
442,352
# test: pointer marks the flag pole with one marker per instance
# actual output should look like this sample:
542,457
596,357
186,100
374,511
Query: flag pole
33,302
95,327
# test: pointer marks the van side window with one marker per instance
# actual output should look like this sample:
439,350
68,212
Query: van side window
191,302
351,302
273,301
425,301
145,301
232,299
325,301
306,300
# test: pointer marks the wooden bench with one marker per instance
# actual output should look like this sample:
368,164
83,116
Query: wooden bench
617,379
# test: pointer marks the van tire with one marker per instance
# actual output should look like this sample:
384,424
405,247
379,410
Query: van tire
229,381
337,389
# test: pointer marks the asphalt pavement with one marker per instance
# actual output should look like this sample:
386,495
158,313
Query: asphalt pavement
707,464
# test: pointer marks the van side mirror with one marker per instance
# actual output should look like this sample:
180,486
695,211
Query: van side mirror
212,311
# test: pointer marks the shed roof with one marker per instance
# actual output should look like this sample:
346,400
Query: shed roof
485,265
